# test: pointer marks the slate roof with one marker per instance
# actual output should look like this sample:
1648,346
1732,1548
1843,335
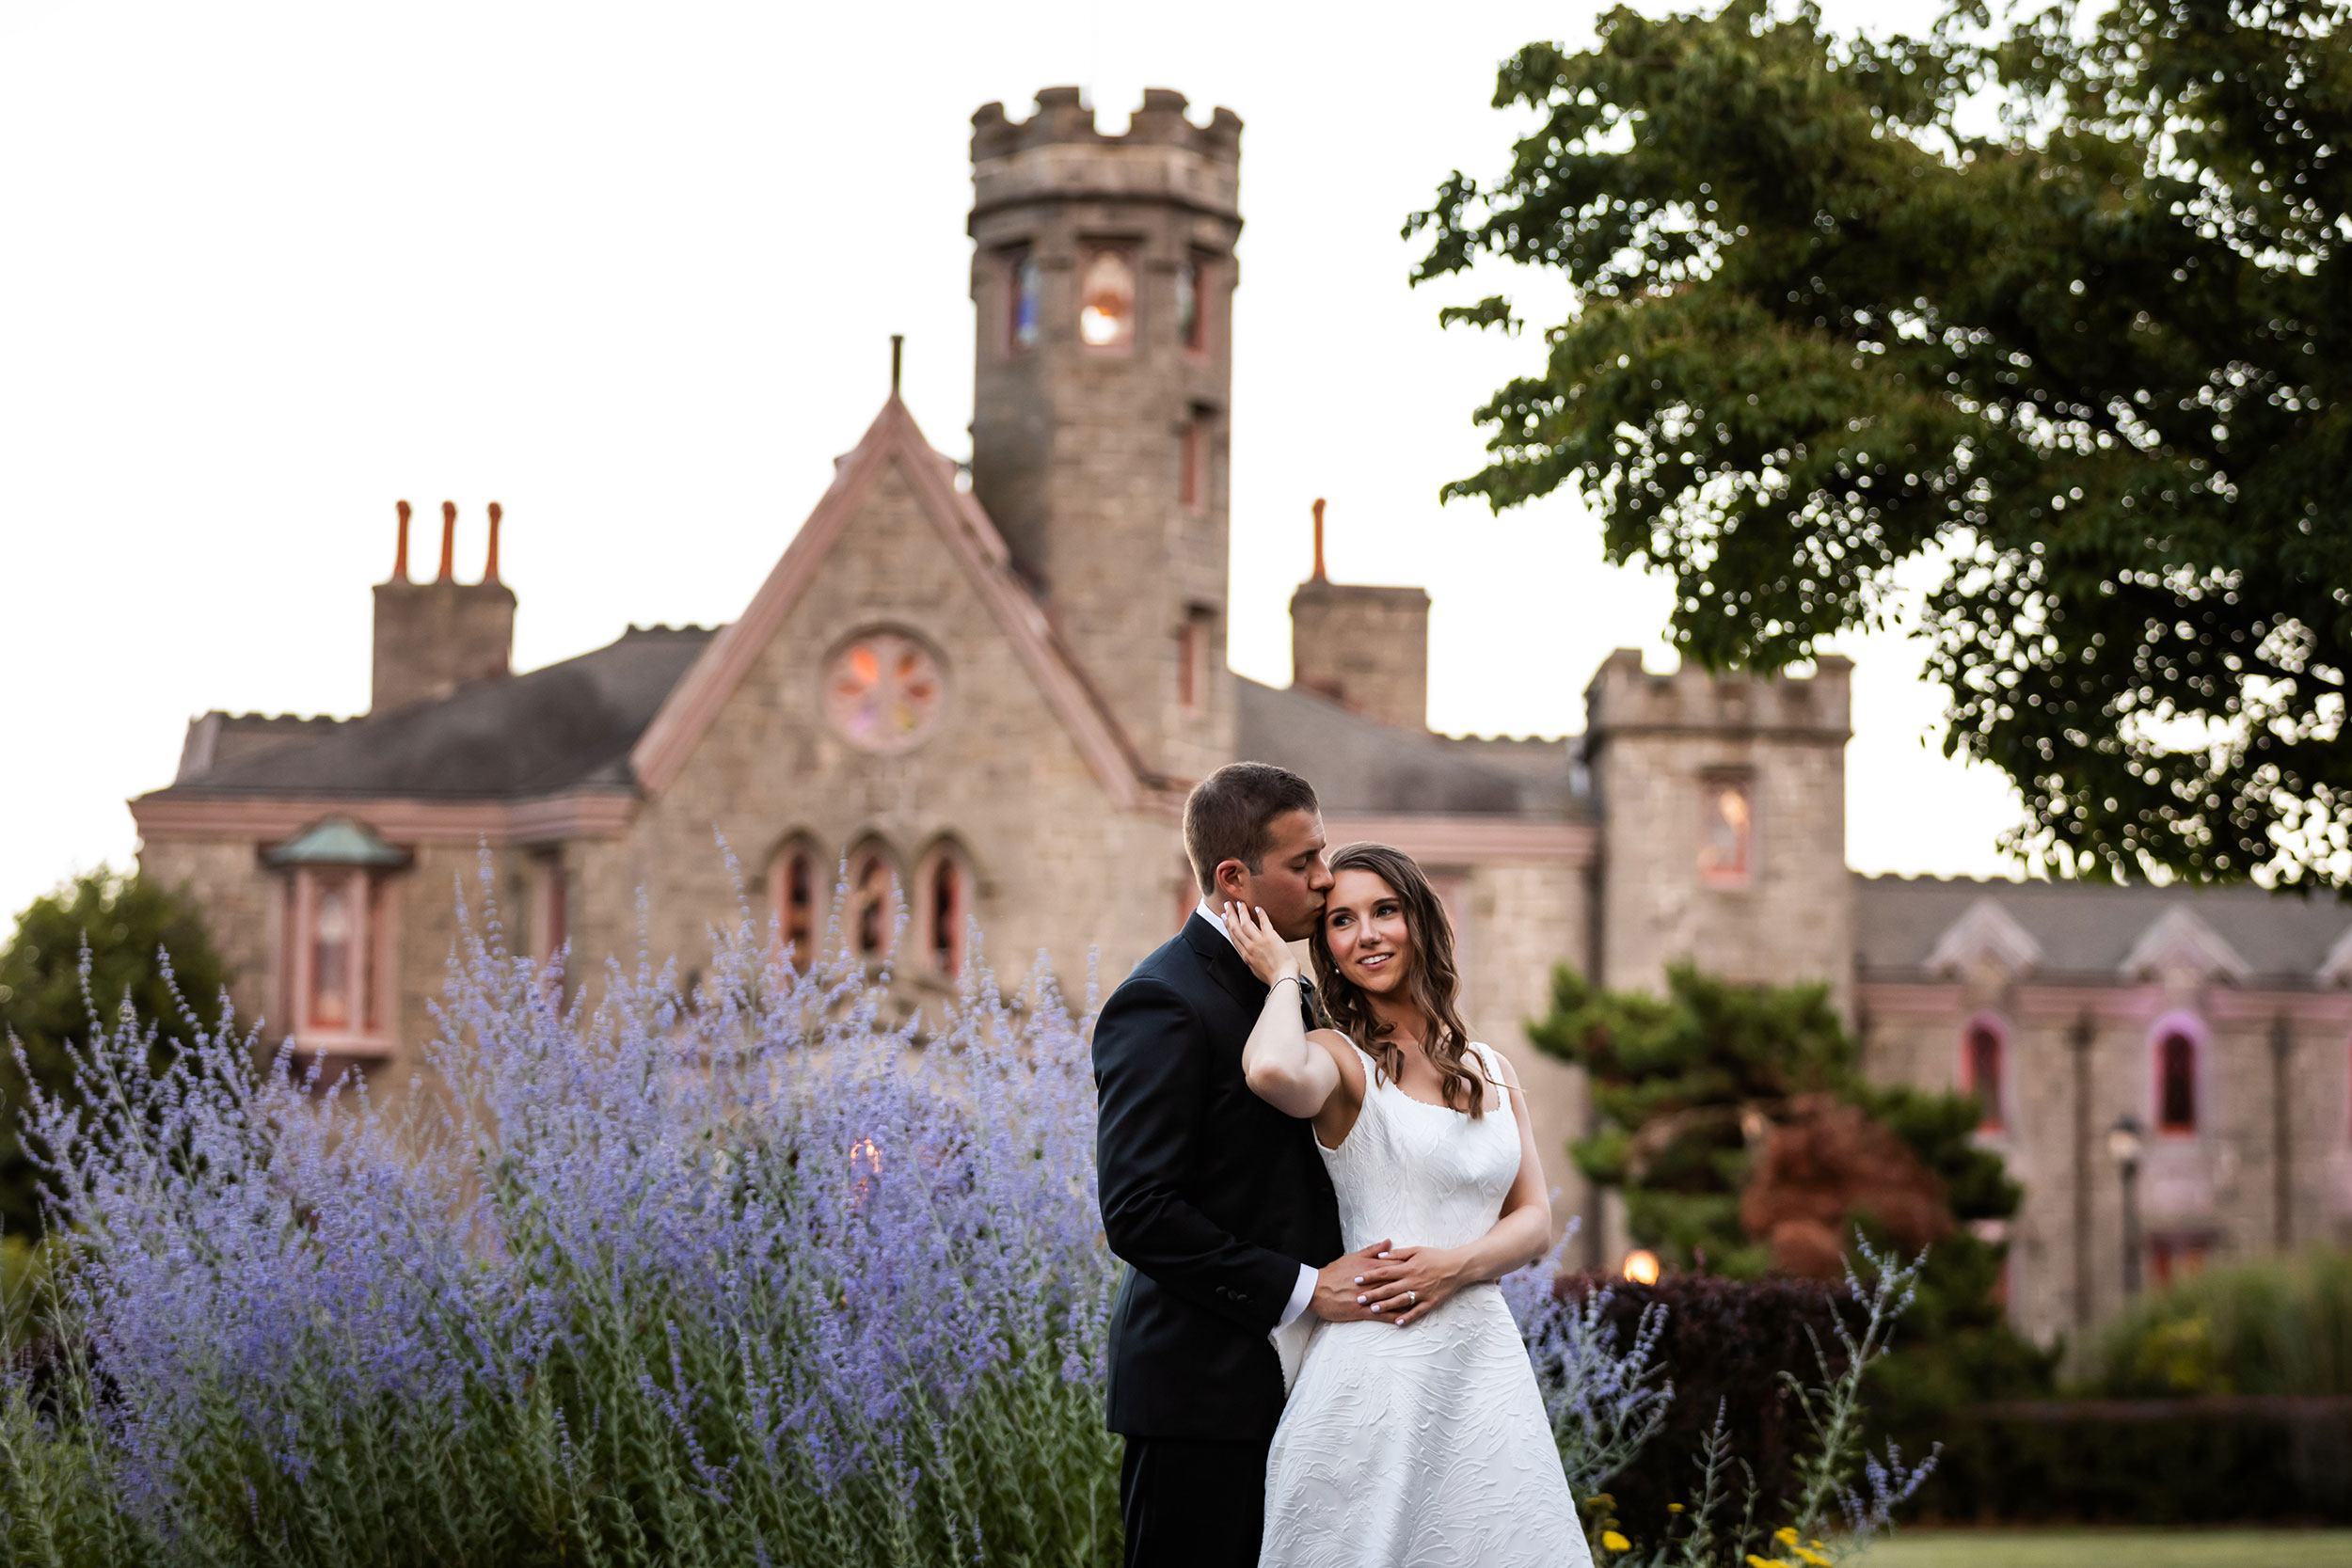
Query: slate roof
567,726
2084,930
1361,765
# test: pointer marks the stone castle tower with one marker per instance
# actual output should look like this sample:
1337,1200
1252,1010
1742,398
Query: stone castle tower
1102,274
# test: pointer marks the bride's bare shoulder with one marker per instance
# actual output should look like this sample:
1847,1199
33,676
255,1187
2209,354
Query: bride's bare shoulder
1343,1053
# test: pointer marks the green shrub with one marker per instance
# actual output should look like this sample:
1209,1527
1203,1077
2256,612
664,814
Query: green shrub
2274,1326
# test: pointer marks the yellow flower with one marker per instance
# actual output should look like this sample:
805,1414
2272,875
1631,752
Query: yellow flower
1673,1508
1812,1559
1612,1541
1785,1535
1755,1562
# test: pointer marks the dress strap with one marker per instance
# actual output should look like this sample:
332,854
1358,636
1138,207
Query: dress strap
1493,1065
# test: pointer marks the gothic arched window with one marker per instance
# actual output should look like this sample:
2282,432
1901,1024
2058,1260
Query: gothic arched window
1981,1063
2176,1082
1107,301
872,915
795,880
944,889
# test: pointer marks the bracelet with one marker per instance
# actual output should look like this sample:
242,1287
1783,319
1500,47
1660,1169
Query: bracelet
1279,979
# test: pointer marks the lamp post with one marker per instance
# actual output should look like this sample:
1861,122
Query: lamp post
2124,1141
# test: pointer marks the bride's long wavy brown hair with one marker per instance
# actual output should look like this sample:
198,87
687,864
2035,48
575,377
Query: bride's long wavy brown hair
1432,983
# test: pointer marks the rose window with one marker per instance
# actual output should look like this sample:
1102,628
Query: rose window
884,692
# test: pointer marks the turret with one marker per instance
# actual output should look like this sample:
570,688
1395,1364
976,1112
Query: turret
1103,272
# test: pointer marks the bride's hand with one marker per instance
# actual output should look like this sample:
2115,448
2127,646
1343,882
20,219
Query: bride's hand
1269,955
1405,1284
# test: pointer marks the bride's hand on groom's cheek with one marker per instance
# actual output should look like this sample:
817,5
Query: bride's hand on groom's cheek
1260,945
1407,1283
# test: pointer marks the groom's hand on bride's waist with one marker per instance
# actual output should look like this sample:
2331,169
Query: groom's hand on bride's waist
1337,1293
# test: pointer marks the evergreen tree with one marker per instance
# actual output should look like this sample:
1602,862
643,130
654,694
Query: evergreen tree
1687,1083
131,926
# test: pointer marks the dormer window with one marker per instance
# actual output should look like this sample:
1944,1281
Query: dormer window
1107,301
1022,309
335,955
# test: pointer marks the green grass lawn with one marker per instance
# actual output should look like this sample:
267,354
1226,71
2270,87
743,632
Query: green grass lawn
2114,1548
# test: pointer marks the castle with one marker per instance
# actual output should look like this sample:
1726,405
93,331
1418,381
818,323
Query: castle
982,694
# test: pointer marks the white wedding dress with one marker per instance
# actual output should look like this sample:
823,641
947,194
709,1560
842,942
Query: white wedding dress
1424,1445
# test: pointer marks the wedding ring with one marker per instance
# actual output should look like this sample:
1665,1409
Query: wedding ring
1411,1299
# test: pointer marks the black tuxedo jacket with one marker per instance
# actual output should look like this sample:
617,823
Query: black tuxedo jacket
1212,1196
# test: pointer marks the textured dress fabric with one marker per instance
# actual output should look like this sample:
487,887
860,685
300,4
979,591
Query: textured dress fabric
1424,1445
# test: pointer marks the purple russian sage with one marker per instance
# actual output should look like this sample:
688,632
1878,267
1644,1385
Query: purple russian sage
763,1264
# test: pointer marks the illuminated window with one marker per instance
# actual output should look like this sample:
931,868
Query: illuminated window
2176,1082
1982,1065
872,916
1726,830
946,895
795,882
1021,314
1192,304
884,692
1107,301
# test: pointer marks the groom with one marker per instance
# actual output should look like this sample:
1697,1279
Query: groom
1218,1201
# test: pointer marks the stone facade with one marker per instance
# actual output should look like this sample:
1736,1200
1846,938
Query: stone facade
1365,648
987,701
2070,993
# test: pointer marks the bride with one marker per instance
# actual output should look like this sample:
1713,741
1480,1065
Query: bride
1416,1438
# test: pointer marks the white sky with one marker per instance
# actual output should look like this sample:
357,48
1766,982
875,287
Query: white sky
630,270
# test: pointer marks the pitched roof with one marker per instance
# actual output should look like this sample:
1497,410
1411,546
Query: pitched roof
1361,766
566,726
971,537
2089,930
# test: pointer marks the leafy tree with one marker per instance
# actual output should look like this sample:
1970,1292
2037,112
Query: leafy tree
1686,1084
2061,310
132,927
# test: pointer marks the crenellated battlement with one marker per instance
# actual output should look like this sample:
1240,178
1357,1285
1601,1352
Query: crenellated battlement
1058,154
1061,119
1624,698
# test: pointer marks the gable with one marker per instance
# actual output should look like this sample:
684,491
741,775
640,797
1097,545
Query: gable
893,446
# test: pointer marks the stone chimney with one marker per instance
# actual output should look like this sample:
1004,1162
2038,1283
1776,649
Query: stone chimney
431,638
1365,648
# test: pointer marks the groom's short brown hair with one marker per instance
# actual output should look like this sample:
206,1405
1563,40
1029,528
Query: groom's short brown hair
1230,816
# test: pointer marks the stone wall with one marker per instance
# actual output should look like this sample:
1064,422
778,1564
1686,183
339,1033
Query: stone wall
2219,1187
1517,923
1056,869
1366,648
1660,748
